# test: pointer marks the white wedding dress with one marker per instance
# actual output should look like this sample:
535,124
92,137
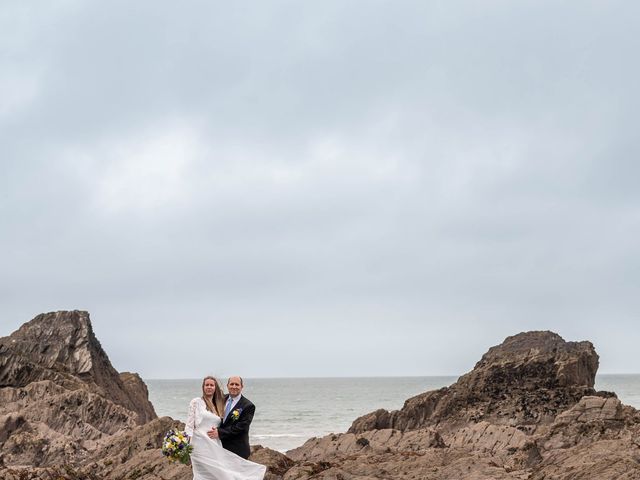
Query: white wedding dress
210,461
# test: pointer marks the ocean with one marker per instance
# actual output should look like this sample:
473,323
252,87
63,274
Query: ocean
291,410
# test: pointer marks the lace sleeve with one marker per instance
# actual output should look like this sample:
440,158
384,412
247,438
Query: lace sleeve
190,426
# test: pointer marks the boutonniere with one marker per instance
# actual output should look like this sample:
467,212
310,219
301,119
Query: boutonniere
235,415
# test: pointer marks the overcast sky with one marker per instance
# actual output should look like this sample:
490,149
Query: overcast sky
322,188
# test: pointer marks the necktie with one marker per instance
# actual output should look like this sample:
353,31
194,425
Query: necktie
227,409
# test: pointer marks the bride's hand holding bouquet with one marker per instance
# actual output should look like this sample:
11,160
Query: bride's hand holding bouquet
176,446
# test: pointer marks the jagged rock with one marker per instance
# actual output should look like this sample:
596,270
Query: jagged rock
485,437
527,410
526,381
137,391
136,454
539,358
61,347
597,438
431,464
277,463
60,397
66,414
49,424
385,440
133,454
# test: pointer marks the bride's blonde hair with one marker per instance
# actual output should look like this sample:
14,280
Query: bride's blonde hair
216,405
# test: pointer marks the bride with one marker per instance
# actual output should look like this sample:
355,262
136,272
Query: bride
209,460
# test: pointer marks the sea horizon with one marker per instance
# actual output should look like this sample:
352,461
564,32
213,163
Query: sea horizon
290,410
350,376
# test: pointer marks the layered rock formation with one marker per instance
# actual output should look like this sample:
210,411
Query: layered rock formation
67,414
528,410
524,382
60,397
62,348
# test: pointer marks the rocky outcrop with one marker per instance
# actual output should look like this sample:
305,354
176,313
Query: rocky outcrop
527,410
131,454
277,463
60,397
524,382
597,438
137,392
61,347
67,414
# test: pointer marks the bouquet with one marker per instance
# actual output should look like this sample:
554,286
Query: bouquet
175,446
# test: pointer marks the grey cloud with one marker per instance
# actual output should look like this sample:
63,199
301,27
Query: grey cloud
326,178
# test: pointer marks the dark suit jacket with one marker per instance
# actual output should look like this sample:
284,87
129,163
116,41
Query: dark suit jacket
234,434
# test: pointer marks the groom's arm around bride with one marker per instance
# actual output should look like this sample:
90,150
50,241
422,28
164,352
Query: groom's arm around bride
239,411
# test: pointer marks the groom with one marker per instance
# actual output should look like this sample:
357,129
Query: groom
238,413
